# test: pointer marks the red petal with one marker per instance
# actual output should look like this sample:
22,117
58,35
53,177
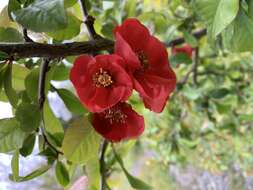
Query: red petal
187,49
79,68
123,49
134,33
131,128
154,90
157,54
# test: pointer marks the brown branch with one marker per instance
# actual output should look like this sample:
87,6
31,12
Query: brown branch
27,50
198,34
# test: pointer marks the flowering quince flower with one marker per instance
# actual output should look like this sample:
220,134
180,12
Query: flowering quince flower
118,123
186,49
146,62
100,82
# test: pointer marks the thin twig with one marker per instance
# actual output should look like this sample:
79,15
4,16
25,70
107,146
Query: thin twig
89,21
26,37
103,185
42,80
198,34
195,66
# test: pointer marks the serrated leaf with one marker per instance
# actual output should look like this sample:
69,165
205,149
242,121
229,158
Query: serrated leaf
9,91
92,168
28,145
61,73
2,71
11,136
62,174
69,3
13,5
28,116
225,14
242,36
72,29
31,84
52,124
84,141
42,16
15,165
5,20
19,74
32,175
217,14
71,102
10,35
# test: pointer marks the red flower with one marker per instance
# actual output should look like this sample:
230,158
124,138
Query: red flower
186,49
147,62
101,81
118,123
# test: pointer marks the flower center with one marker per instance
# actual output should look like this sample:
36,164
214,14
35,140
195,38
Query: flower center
115,115
102,78
143,59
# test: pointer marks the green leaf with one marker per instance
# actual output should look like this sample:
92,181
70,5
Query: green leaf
5,20
84,141
61,73
19,73
42,16
219,93
31,84
225,14
71,102
10,35
28,145
180,58
52,124
134,182
32,175
10,92
92,168
11,136
217,14
15,165
250,9
3,56
69,3
242,38
72,30
2,72
190,39
28,116
62,174
13,5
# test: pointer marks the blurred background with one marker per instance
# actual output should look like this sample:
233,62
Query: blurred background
203,140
